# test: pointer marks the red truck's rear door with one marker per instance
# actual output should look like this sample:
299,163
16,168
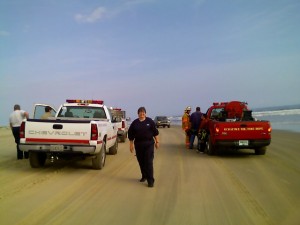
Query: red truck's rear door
248,130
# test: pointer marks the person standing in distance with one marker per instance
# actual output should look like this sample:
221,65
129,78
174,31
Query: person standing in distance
15,121
186,125
143,136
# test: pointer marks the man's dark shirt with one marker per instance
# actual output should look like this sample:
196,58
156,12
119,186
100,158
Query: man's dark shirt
195,120
141,131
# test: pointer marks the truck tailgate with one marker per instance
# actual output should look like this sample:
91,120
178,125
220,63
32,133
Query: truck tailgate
54,131
248,130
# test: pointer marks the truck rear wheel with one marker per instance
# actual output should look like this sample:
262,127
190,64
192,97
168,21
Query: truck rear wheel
99,161
123,137
114,149
37,159
210,149
260,151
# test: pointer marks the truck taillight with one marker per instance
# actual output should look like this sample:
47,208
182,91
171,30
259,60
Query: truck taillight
123,124
22,130
269,129
94,132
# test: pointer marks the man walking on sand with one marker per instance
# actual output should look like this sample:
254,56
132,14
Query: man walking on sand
15,121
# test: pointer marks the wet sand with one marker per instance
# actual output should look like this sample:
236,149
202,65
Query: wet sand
190,188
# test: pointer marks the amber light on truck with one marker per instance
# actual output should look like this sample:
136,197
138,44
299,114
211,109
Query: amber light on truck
85,101
94,132
22,130
217,130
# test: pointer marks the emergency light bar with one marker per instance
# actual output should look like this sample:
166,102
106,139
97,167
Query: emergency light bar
85,101
219,103
117,109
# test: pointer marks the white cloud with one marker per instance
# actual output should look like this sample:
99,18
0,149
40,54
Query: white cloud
101,13
95,15
4,33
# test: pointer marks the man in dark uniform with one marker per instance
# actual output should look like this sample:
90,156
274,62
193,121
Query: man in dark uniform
195,119
143,136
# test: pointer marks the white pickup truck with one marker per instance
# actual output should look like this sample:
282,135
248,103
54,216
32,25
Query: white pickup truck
79,127
122,124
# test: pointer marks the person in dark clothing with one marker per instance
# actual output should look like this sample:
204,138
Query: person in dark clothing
195,120
203,133
143,136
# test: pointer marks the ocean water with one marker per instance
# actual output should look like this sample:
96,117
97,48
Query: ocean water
281,117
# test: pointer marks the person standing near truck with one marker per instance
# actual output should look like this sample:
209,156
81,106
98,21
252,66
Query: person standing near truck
195,124
186,125
143,136
203,133
15,121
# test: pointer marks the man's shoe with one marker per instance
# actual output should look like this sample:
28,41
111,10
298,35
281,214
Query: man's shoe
151,185
142,179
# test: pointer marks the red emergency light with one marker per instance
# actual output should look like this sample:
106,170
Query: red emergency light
85,101
117,109
219,103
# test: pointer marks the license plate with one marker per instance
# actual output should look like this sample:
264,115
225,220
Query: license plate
243,142
56,148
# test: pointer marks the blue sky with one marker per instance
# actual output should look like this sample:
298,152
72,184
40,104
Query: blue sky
161,54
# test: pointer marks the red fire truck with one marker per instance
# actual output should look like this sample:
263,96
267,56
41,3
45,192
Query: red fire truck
231,126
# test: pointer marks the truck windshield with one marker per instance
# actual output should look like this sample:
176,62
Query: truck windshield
82,112
217,114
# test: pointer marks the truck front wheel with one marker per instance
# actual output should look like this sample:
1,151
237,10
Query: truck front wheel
99,161
37,159
123,137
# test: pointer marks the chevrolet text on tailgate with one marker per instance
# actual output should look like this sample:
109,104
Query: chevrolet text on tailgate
80,127
231,126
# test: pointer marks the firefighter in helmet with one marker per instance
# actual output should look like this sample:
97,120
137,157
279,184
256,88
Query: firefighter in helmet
186,125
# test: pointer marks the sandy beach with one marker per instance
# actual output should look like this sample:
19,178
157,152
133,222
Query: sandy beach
190,188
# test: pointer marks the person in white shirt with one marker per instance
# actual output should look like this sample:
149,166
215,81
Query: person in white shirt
15,121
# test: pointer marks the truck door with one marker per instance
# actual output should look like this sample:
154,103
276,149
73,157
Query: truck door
39,110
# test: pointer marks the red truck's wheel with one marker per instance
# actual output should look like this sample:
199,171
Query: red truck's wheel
260,151
210,149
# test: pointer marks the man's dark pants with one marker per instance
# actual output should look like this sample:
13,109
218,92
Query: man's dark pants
145,156
194,134
16,133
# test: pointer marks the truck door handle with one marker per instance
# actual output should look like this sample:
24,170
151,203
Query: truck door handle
57,126
243,125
